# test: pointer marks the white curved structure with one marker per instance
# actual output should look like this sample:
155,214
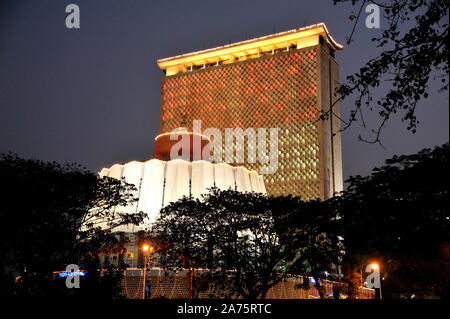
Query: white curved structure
160,182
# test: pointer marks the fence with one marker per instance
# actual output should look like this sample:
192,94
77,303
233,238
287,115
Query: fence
176,286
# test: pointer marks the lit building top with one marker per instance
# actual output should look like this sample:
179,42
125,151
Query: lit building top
254,48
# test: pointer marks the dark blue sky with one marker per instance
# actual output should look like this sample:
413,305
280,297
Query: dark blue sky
92,95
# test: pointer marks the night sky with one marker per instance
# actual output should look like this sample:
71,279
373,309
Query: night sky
92,95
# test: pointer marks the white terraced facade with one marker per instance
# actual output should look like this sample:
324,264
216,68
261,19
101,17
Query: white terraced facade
160,182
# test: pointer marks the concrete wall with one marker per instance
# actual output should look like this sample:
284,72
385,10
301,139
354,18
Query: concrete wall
331,138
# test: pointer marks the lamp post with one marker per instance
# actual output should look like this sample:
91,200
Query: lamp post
377,268
145,248
374,278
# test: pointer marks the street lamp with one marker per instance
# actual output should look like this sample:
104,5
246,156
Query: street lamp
145,248
374,279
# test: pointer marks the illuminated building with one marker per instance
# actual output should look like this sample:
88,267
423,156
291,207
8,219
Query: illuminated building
283,81
160,181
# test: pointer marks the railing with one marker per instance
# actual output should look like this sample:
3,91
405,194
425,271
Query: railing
174,285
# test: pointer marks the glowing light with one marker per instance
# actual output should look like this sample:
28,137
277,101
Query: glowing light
303,37
71,273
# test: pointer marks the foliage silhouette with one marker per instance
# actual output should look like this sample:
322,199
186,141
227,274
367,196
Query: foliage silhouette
410,60
399,217
44,206
242,244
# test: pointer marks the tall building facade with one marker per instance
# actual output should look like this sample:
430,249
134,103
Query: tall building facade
283,81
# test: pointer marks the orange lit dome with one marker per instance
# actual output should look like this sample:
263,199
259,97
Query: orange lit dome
164,143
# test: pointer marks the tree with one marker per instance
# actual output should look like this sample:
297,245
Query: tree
315,231
44,206
230,234
414,54
242,244
399,217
